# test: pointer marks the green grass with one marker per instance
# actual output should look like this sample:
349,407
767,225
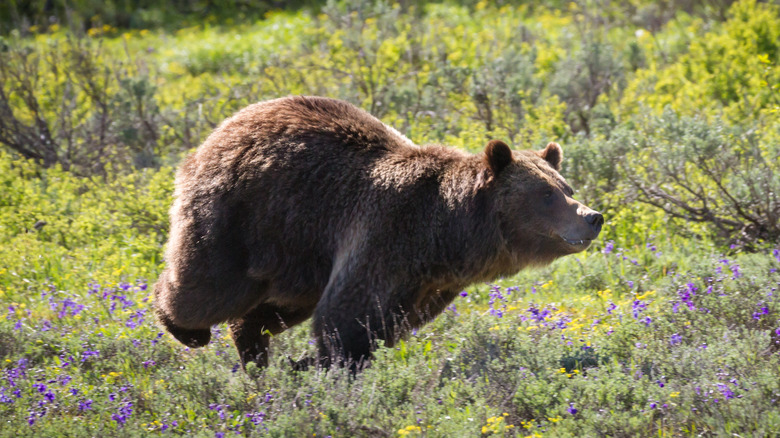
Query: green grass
705,363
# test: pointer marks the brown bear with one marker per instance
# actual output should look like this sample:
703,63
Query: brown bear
304,206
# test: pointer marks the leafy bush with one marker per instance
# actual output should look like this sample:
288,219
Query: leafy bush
729,70
582,78
707,172
61,103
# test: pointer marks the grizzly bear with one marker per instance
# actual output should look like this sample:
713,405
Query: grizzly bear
304,206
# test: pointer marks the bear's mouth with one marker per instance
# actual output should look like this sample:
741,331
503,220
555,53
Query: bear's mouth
577,242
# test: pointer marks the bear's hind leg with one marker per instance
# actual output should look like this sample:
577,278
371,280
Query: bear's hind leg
252,332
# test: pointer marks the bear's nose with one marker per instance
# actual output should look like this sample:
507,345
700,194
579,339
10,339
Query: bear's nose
596,220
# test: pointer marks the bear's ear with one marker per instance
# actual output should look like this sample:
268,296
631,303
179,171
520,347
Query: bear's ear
553,154
498,155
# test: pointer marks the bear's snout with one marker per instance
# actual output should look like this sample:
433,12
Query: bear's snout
596,220
581,231
592,218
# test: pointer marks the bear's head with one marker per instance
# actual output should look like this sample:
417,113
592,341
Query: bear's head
538,216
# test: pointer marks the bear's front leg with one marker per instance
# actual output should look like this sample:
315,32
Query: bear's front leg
429,304
252,332
353,314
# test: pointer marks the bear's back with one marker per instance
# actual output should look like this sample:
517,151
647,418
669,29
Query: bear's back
298,133
313,121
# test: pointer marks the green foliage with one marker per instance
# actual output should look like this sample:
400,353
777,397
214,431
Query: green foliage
707,172
731,69
87,228
66,101
134,14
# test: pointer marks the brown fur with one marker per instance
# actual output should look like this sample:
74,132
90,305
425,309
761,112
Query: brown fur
306,206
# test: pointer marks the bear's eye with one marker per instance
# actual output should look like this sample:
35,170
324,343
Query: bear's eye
548,197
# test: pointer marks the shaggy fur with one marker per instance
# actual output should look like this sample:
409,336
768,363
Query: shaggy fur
306,206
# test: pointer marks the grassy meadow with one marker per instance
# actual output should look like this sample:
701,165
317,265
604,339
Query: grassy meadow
669,117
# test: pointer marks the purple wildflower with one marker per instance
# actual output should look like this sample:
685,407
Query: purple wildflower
4,398
608,247
651,246
220,409
66,360
124,412
86,354
637,307
135,319
538,315
726,391
66,304
571,409
496,295
85,405
686,295
93,288
675,339
256,417
735,271
763,310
